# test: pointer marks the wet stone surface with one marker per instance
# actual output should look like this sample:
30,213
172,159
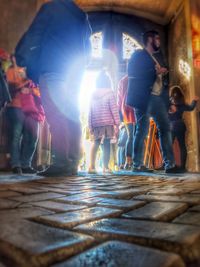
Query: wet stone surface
57,207
122,219
71,219
159,211
189,218
28,241
170,237
117,254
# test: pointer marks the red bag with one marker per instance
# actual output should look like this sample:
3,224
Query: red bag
31,105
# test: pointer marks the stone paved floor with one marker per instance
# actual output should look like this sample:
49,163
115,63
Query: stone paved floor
100,221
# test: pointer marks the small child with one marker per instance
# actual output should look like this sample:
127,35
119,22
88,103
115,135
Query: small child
178,127
103,120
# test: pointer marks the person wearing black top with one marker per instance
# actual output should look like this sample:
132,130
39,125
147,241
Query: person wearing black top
178,127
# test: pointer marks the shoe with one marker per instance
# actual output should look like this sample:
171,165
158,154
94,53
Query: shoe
55,171
92,171
141,169
106,170
17,170
28,170
128,167
174,169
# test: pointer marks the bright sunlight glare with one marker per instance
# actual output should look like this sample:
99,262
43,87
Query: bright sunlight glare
87,88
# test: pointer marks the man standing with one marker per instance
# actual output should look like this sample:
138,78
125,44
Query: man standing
54,50
144,94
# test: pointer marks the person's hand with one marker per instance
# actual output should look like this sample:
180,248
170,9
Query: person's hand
196,98
172,109
161,70
25,90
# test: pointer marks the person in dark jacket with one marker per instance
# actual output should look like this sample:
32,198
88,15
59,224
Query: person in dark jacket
178,127
144,95
59,36
4,90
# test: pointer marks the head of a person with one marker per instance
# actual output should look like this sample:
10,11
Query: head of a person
103,80
152,38
177,95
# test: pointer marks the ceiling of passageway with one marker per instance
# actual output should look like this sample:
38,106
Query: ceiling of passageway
159,11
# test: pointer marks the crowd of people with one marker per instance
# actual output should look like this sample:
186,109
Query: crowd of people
51,58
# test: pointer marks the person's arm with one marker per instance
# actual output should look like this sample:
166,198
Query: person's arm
192,106
114,110
32,38
140,66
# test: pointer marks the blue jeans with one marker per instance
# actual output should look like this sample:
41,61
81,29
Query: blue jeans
23,137
157,110
129,143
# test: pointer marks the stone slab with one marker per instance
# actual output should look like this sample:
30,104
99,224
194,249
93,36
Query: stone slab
6,194
171,191
189,199
82,196
27,189
177,238
127,194
28,212
116,254
119,203
56,206
195,208
158,211
37,197
192,218
71,219
31,244
8,204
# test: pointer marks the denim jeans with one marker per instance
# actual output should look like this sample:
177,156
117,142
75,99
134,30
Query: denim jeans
129,143
157,110
60,102
23,137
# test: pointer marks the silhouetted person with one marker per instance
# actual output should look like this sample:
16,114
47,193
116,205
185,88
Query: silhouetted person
59,38
144,94
178,127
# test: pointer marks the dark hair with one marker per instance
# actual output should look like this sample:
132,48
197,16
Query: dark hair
146,35
103,80
177,95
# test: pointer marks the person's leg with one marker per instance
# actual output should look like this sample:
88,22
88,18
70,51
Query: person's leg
106,152
16,123
93,153
29,143
129,145
75,144
157,109
142,124
56,100
182,147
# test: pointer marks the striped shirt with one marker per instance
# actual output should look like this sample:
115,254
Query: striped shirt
103,109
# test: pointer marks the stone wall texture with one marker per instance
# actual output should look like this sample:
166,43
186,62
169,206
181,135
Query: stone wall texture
15,17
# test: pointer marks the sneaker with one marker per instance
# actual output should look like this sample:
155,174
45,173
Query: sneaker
128,167
92,171
106,170
55,171
28,170
174,169
17,170
141,169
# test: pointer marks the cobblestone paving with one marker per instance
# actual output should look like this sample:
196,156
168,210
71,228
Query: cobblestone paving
100,221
